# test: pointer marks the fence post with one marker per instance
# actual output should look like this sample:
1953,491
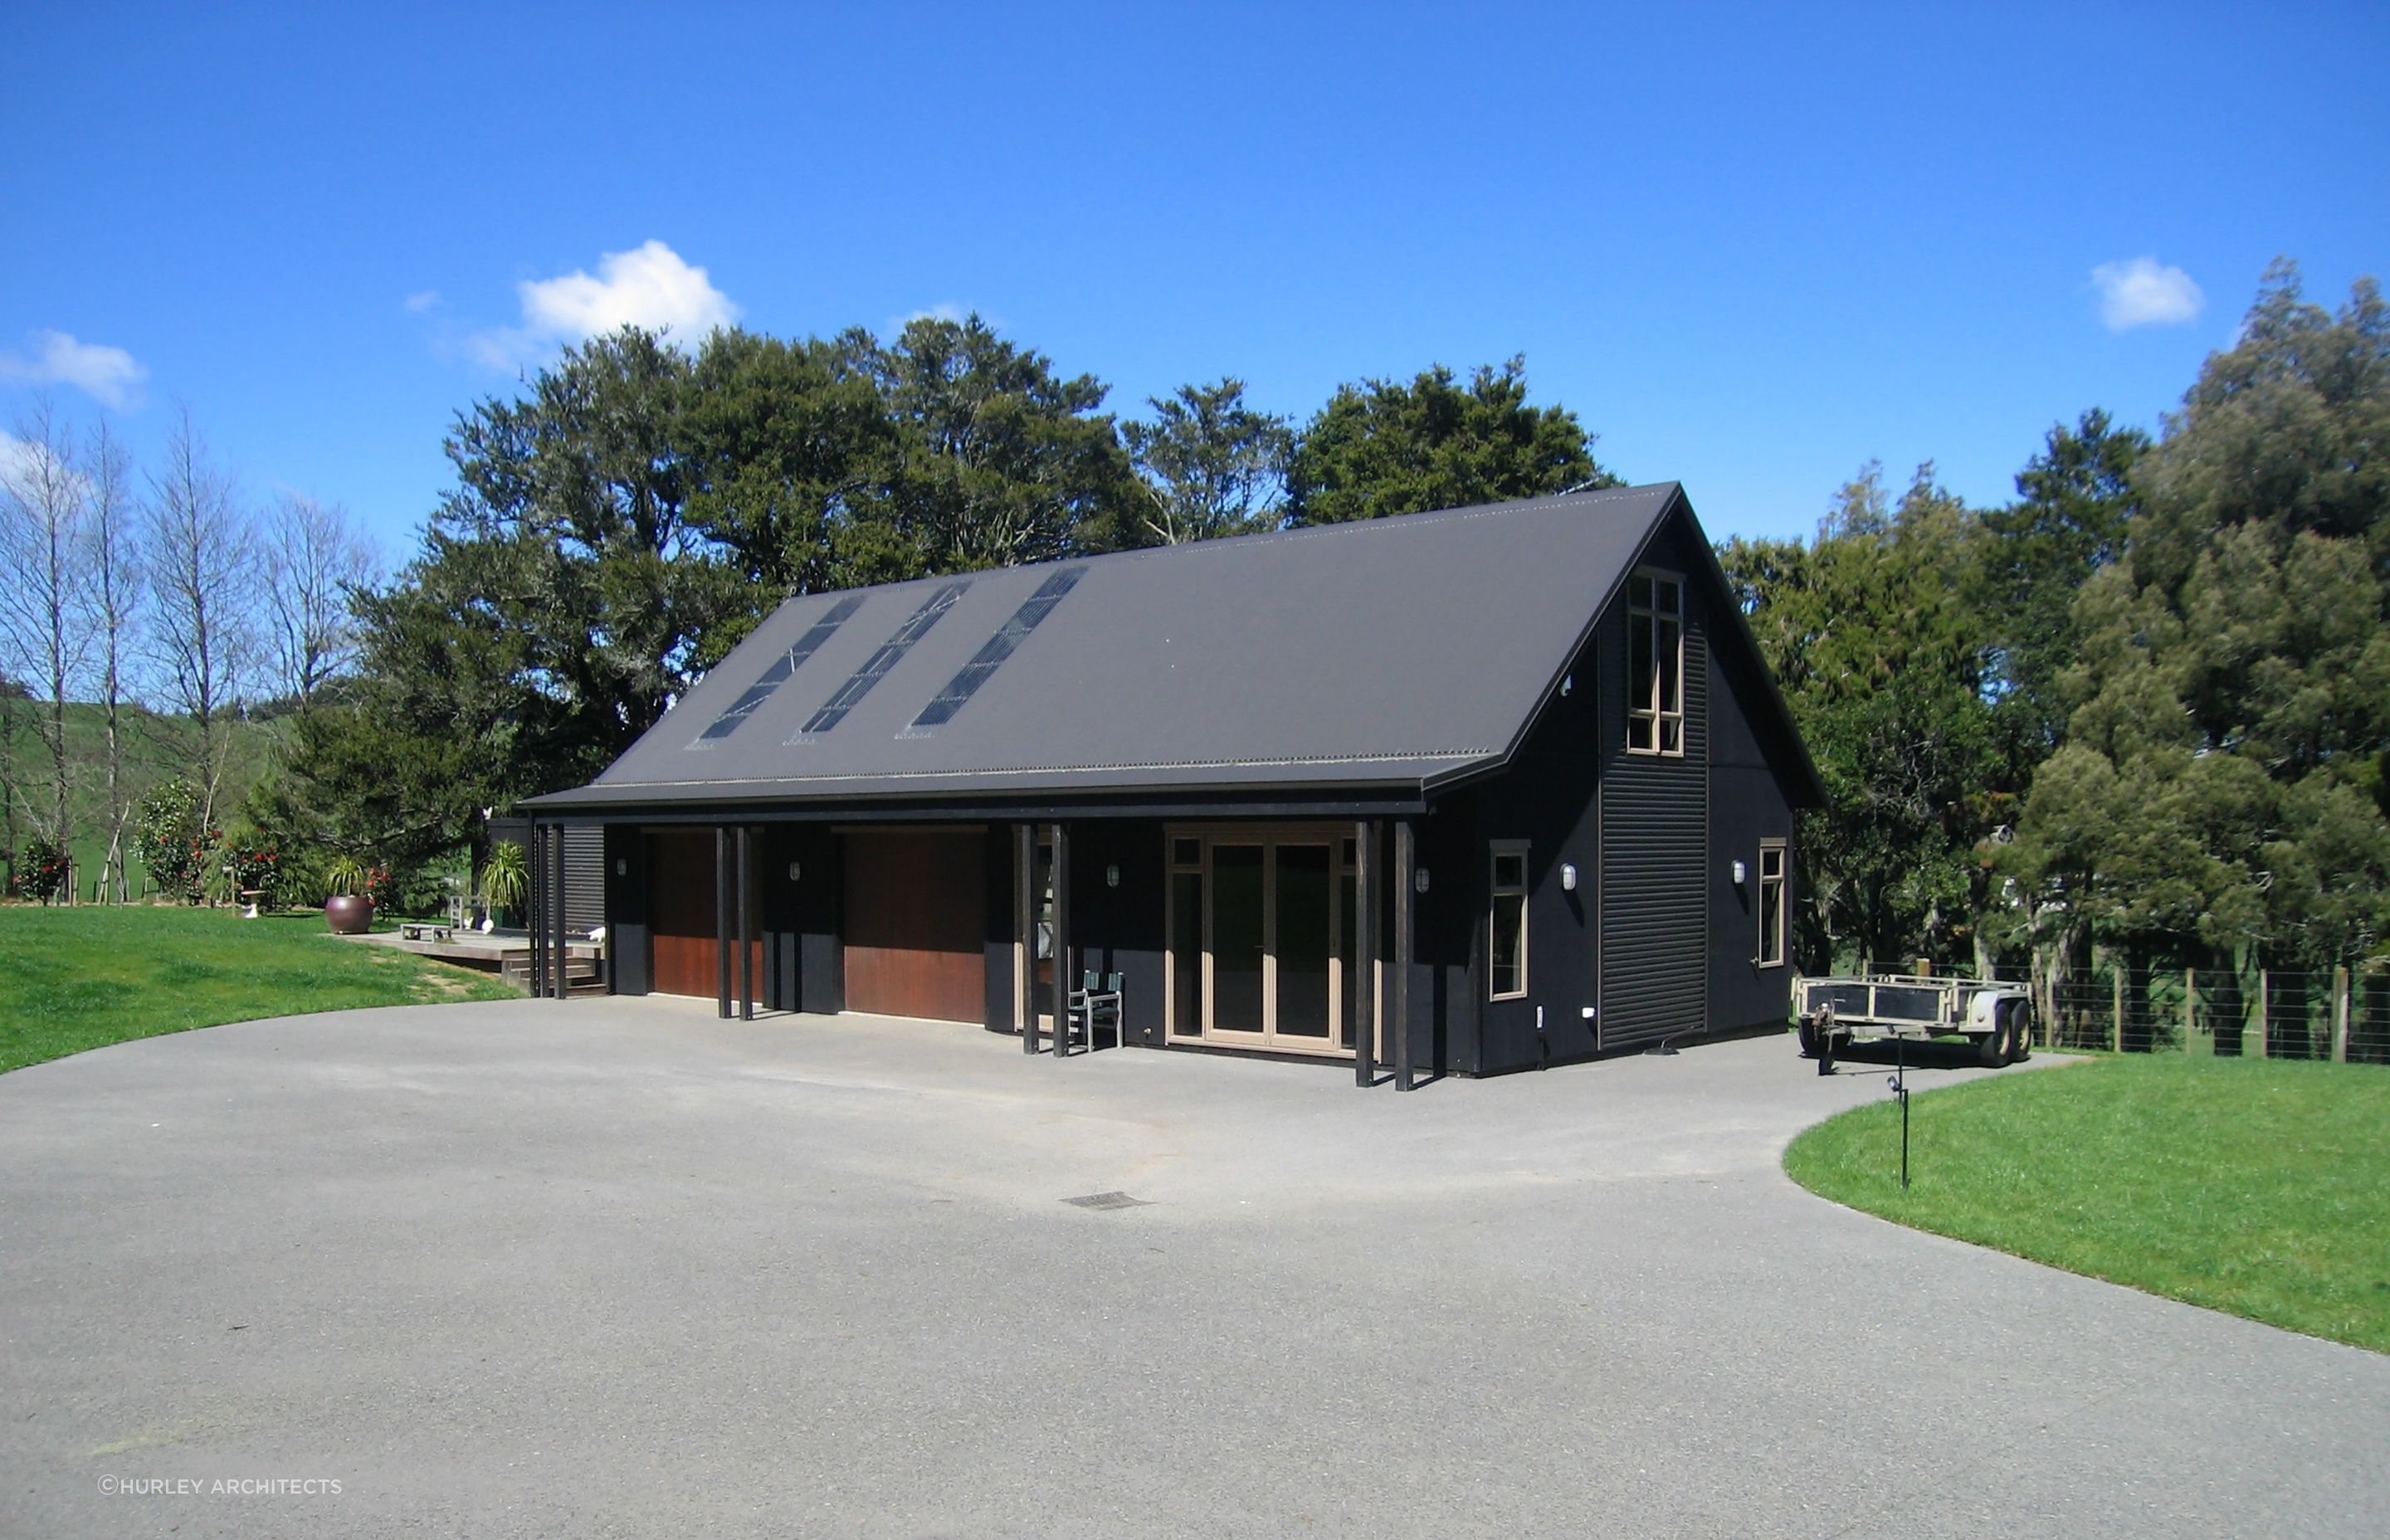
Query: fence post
2340,1014
2265,1012
2189,1009
2116,1021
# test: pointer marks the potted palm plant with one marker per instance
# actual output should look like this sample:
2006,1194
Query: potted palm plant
506,878
348,908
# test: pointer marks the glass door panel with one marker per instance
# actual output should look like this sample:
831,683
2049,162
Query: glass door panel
1239,934
1186,953
1304,941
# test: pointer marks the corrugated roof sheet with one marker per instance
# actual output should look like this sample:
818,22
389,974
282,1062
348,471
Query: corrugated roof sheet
1398,650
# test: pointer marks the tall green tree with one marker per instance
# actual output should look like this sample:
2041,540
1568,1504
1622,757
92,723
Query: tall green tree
1869,632
789,453
1210,465
1389,446
2075,501
1001,459
2233,682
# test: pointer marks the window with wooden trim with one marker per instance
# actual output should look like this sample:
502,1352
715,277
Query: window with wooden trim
1771,903
1655,663
1505,924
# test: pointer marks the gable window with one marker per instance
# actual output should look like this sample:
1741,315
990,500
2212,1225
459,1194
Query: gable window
1655,663
1506,951
1771,903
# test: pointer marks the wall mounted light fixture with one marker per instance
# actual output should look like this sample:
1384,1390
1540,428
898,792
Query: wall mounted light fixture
1419,880
1568,877
1112,877
621,867
1738,874
795,871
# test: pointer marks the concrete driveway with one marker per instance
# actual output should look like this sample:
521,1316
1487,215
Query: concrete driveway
613,1267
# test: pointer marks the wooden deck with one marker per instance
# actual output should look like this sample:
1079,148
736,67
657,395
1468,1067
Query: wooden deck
505,954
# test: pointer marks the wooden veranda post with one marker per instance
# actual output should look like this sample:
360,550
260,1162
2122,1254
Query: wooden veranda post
559,952
1365,953
1062,944
746,937
721,920
1024,931
1403,898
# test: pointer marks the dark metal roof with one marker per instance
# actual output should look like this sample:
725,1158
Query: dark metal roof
1396,652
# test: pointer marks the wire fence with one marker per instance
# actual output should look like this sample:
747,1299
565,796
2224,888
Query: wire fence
2332,1014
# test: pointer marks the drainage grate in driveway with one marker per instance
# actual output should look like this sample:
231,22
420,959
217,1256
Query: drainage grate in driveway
1106,1200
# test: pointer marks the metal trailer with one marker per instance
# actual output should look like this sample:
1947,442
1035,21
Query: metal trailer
1832,1013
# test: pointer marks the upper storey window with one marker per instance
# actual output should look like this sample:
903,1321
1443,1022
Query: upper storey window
1655,663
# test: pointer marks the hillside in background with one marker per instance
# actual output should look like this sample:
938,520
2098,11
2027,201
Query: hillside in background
155,749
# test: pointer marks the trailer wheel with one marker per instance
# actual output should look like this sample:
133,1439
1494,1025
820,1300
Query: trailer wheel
1992,1049
2019,1017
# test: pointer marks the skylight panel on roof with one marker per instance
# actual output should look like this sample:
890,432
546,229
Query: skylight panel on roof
875,668
773,676
985,662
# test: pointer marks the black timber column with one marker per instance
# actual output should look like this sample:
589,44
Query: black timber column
1062,942
559,959
1402,900
1365,953
746,934
1024,926
721,920
537,906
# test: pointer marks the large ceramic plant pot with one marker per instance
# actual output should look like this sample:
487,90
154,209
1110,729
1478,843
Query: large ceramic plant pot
348,913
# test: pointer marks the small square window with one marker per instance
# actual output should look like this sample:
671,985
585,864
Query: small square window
1187,853
1509,870
1352,853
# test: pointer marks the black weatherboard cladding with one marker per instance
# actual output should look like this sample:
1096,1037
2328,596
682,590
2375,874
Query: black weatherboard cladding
1654,919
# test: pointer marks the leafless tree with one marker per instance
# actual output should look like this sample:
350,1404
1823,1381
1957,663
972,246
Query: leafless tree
42,519
316,556
111,598
205,584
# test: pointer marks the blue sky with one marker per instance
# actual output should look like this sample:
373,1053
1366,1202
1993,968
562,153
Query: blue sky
1752,251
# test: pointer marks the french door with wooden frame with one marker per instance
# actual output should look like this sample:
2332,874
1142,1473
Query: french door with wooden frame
1261,926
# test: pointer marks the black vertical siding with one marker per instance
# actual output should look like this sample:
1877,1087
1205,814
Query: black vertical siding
1654,913
584,878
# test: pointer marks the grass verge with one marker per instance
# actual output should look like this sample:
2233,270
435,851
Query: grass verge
2255,1186
83,977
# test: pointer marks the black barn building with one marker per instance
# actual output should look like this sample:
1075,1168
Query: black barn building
1484,790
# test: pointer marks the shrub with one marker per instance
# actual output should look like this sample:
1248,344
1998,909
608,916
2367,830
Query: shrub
179,853
41,869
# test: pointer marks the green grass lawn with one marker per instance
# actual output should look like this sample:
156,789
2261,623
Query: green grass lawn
77,979
2255,1186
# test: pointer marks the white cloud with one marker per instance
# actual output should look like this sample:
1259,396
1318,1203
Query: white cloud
650,286
418,303
953,312
2141,293
109,375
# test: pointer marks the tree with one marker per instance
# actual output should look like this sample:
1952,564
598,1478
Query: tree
1211,465
1002,460
2075,501
316,558
1386,447
41,535
203,617
1882,660
112,599
2233,672
790,452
